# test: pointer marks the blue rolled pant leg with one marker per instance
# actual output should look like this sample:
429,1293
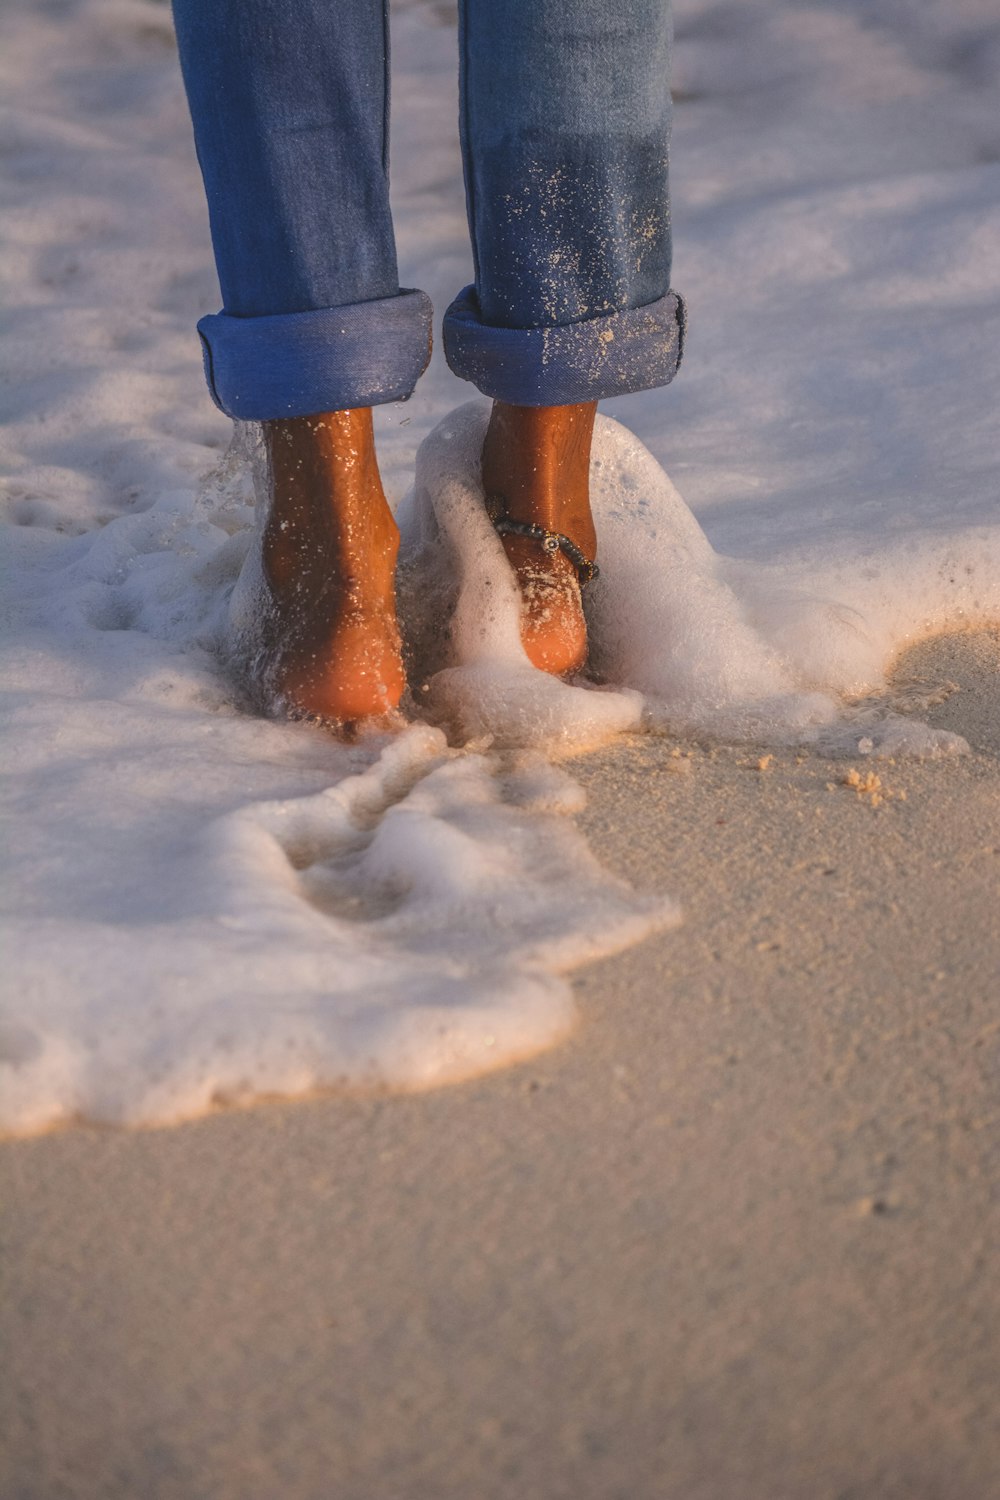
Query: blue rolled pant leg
328,359
565,123
614,355
289,101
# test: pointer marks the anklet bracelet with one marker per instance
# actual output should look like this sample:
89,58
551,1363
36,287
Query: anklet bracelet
552,541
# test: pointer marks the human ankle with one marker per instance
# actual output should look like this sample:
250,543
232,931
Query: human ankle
328,518
538,460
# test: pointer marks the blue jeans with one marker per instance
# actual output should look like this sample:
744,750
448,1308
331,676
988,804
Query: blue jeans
565,121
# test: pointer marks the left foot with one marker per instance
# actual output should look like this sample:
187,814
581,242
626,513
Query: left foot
536,463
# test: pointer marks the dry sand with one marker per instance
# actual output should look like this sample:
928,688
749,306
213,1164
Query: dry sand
735,1241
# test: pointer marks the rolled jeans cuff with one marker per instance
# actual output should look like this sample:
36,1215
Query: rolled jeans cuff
614,355
330,359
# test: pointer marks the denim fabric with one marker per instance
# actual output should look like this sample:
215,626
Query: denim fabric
330,359
631,350
564,127
289,100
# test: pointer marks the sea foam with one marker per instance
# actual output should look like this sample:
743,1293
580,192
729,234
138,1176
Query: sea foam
203,905
682,639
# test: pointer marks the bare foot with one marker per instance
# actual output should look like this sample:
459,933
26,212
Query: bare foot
537,460
329,558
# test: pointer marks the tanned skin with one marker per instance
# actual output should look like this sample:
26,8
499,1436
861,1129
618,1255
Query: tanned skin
329,554
330,546
537,458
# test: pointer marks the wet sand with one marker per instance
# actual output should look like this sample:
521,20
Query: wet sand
736,1240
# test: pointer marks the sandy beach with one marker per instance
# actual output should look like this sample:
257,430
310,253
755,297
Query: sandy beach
689,1186
735,1238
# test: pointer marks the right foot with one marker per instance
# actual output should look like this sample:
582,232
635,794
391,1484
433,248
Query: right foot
332,649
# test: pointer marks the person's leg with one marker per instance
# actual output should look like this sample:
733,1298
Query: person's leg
565,133
289,100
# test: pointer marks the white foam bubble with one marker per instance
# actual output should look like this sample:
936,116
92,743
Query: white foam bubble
690,641
408,925
461,611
